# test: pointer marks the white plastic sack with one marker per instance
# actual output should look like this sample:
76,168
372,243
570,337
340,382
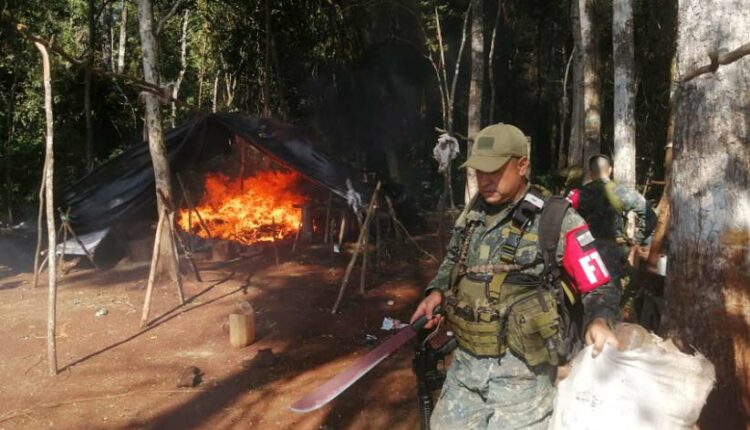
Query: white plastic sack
445,150
654,386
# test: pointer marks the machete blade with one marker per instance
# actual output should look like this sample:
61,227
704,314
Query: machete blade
336,385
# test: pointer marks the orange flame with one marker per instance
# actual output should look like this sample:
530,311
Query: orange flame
260,208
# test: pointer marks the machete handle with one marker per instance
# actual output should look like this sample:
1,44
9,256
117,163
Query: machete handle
420,323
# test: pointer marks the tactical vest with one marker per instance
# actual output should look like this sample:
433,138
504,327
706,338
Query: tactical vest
493,307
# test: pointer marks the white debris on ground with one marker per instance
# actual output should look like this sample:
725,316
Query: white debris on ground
392,324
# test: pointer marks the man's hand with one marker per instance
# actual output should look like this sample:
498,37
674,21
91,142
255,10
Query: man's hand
598,334
426,307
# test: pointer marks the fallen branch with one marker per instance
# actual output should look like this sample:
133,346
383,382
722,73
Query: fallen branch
717,60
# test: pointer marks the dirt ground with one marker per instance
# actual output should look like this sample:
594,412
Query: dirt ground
116,376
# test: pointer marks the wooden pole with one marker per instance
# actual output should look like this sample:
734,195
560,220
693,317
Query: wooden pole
61,261
378,244
296,238
398,223
357,249
328,218
49,170
365,253
189,202
342,229
67,225
175,257
188,255
275,246
152,272
37,253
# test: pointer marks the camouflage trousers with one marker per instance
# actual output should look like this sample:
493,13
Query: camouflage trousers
480,393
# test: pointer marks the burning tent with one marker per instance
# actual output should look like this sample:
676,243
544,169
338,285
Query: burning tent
123,188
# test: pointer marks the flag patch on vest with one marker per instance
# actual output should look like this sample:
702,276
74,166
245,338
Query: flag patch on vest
582,261
585,238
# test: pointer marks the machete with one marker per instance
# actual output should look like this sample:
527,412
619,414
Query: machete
336,385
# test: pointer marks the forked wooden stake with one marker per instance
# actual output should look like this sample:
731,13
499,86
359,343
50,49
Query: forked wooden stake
152,272
358,248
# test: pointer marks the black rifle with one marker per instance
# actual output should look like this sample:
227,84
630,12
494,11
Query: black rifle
429,377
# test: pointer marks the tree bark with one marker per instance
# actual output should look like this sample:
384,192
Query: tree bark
49,161
87,85
592,85
267,62
476,86
162,173
624,103
123,40
707,302
107,36
491,63
575,142
585,135
564,110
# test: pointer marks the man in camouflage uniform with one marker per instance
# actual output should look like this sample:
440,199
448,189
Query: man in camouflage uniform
604,204
491,384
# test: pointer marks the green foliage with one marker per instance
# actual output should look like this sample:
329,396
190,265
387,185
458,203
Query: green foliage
356,74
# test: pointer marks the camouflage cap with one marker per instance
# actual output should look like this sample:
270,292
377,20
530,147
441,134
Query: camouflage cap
495,145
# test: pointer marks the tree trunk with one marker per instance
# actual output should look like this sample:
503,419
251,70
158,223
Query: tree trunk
123,37
575,143
392,159
267,63
201,67
564,110
162,174
592,85
107,36
87,86
49,170
624,104
707,301
215,92
476,86
585,135
491,63
183,64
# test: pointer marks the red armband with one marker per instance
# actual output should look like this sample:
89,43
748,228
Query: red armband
582,261
574,197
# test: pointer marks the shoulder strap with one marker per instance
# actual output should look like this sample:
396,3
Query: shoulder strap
550,226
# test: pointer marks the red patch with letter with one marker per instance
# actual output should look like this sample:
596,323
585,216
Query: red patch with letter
582,261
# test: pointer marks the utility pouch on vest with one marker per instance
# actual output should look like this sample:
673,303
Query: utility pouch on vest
534,328
476,329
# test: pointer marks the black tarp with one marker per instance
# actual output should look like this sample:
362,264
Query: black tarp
123,187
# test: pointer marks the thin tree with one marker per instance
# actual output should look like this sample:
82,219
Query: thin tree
707,305
49,170
623,56
91,14
476,87
585,129
123,39
157,148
